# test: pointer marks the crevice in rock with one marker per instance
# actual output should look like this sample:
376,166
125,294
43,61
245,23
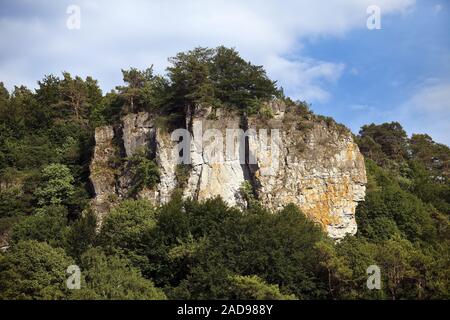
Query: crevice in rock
248,169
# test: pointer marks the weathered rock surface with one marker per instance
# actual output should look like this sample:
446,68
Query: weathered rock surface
102,173
112,181
138,132
319,168
214,173
313,163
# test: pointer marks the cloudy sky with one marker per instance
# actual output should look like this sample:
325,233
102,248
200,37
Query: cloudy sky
320,51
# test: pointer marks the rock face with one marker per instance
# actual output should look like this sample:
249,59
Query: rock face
102,172
214,173
137,132
318,168
111,180
300,159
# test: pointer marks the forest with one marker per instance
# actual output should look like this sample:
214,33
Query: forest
204,250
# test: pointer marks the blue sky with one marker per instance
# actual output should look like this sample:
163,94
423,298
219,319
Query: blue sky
319,51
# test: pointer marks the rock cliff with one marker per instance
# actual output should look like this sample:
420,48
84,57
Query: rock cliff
288,157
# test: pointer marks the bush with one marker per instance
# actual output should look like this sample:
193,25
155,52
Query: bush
254,288
125,229
218,77
112,278
144,172
34,270
48,225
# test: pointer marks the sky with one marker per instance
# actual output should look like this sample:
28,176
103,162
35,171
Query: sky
320,51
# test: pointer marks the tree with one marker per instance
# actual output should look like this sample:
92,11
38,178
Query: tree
189,74
13,203
143,90
358,254
432,155
112,278
238,82
49,95
390,137
48,225
144,172
125,229
21,112
218,77
78,96
4,94
81,234
389,210
254,288
336,268
34,270
278,248
394,258
57,186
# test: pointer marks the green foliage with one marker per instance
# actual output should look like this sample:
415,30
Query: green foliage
34,270
143,91
254,288
247,194
12,202
357,254
407,237
48,225
68,97
125,228
434,156
182,172
278,248
383,142
112,278
57,185
394,257
145,172
78,97
336,269
218,77
390,210
81,235
6,225
420,165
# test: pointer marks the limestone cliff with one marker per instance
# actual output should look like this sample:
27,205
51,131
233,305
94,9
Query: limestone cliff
320,169
296,158
209,178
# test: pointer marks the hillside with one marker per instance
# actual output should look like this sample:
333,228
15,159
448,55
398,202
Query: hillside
91,179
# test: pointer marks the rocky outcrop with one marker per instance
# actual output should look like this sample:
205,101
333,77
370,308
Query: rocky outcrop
319,168
214,172
109,173
138,132
102,171
290,158
4,240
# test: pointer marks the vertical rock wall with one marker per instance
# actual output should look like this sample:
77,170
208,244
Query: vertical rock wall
317,166
213,172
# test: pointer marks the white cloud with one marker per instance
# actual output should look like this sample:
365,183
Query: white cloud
119,34
428,111
437,8
304,77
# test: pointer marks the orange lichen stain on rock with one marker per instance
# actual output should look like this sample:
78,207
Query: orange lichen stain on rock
350,152
321,208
